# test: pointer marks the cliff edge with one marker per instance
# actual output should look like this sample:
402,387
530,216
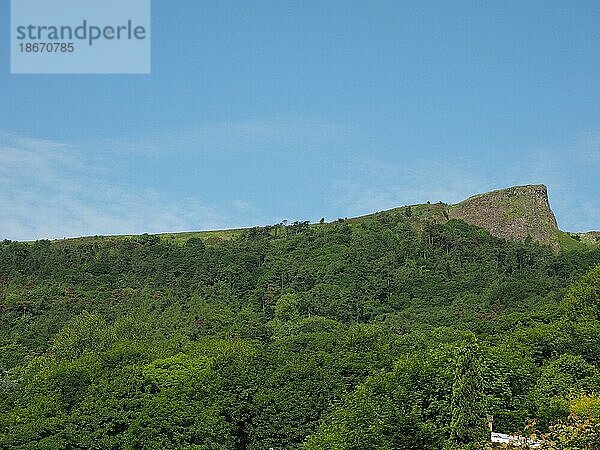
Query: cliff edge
516,213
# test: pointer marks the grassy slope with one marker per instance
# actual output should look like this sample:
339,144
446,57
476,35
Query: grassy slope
176,238
419,215
569,244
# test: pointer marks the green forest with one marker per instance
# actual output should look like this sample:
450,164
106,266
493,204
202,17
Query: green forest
388,332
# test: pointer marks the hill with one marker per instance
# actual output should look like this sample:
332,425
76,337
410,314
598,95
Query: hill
350,334
514,213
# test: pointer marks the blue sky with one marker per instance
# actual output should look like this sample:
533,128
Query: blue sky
259,111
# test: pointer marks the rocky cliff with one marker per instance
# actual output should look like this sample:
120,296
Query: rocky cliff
514,213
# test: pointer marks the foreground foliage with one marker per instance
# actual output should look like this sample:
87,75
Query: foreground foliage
385,333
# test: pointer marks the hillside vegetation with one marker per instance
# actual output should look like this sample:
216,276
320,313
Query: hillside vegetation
388,332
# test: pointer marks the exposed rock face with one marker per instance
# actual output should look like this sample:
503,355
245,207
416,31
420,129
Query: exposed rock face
513,213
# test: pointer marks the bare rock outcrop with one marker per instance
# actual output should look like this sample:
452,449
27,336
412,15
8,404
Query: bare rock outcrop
515,213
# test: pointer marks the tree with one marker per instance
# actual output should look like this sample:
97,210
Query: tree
468,426
583,298
86,333
286,307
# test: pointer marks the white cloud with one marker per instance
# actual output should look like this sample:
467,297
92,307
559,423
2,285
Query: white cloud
370,185
233,137
571,174
54,190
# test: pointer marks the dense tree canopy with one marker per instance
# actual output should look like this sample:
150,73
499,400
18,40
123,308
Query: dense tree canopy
351,335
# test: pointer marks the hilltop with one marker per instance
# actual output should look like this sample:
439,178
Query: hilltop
591,237
515,213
